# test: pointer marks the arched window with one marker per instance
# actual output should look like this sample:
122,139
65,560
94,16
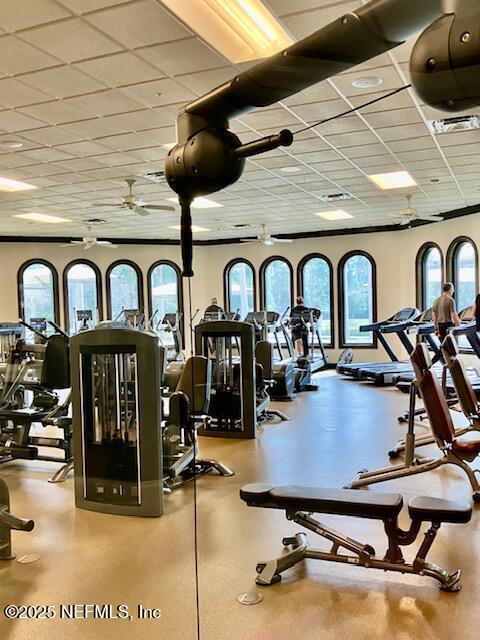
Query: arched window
239,287
357,293
82,290
164,289
315,284
276,279
429,267
124,287
462,261
38,291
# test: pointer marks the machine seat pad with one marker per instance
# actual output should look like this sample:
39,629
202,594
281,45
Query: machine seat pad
438,510
348,502
466,449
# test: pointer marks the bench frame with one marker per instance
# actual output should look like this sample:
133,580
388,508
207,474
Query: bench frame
362,555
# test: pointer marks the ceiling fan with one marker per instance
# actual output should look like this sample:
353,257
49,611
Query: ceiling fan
409,214
89,241
265,238
135,204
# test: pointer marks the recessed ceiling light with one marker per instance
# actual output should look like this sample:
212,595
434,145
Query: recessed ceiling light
290,169
11,144
41,217
338,214
367,82
14,185
241,30
200,203
195,228
394,180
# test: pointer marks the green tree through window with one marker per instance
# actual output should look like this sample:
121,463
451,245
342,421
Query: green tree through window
432,276
123,289
82,293
164,290
316,278
465,270
38,292
357,299
241,288
277,286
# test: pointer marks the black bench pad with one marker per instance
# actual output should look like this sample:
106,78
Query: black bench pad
348,502
438,510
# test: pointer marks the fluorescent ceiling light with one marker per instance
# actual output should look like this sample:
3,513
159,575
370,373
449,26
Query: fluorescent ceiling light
290,169
41,217
11,144
195,228
240,30
14,185
200,203
338,214
169,145
395,180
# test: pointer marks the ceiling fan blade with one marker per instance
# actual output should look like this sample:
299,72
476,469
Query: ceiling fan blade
248,241
285,240
159,207
73,243
141,211
110,246
108,204
430,218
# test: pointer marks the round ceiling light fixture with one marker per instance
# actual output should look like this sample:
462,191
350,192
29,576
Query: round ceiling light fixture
368,82
290,169
11,144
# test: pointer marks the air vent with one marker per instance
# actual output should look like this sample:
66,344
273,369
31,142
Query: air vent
94,221
449,125
156,176
335,197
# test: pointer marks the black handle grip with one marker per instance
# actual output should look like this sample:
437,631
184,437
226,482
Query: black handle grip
282,139
186,238
12,522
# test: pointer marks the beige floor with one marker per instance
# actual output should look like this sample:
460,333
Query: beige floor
94,558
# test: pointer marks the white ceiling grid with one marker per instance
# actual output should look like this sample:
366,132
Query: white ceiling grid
92,89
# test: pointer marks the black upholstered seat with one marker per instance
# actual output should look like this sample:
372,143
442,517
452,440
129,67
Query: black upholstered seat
317,500
438,510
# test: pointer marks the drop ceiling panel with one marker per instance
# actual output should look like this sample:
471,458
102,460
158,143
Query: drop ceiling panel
62,82
139,24
17,56
70,40
181,57
21,15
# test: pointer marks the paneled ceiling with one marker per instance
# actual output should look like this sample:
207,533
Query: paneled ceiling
92,88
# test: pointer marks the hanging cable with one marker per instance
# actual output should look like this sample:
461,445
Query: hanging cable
195,510
346,113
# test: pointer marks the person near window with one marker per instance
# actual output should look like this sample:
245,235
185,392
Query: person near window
444,314
214,307
299,327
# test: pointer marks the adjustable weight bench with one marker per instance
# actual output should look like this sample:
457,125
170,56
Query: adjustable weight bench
299,503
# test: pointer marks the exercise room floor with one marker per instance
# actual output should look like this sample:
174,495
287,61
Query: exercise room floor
94,558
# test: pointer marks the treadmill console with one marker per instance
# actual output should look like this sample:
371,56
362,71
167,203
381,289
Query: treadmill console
408,313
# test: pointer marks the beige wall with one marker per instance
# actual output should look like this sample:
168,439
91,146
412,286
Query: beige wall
394,254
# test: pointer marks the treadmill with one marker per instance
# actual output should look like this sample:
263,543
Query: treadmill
396,324
387,374
468,329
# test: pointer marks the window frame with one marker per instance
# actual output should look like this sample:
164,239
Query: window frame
420,279
452,255
180,303
343,344
300,286
56,293
226,281
263,268
134,265
98,284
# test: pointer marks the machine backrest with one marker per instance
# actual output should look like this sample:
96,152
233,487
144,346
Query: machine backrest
433,397
463,387
196,382
179,413
264,357
56,363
